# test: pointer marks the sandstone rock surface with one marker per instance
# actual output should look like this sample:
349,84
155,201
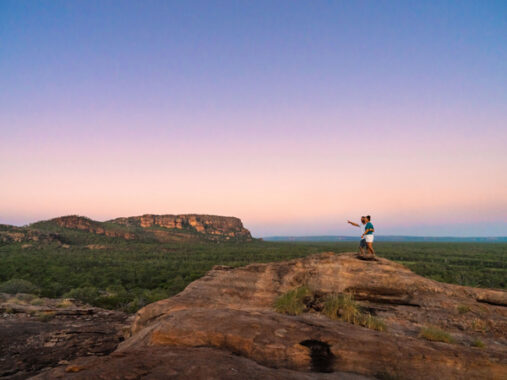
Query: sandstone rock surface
40,333
224,326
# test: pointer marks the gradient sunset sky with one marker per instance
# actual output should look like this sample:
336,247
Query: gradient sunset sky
292,115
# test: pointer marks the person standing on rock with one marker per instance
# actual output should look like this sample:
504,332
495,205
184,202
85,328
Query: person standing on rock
368,236
362,243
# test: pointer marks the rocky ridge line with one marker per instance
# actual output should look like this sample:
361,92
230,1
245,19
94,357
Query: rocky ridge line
225,321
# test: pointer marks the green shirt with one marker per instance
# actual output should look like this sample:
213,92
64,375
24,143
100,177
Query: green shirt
369,226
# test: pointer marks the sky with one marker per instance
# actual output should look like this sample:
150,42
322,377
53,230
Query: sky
292,115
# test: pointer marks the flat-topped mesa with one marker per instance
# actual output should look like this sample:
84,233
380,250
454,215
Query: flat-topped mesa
225,226
161,228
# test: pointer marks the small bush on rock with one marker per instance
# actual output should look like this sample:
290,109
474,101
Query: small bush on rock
478,343
463,309
436,335
343,306
292,302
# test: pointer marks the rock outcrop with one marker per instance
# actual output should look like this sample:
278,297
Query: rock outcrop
224,326
38,333
13,234
85,224
161,228
212,225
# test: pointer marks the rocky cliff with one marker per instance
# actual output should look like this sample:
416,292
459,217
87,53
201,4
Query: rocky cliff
225,326
162,228
212,225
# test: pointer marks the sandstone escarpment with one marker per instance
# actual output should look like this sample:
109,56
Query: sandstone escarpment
230,311
161,228
212,225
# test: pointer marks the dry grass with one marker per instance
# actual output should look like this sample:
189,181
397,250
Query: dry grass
336,306
479,325
66,302
343,307
435,334
37,302
17,301
478,343
292,302
373,323
44,316
463,309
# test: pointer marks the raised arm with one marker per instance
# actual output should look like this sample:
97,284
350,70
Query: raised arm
354,224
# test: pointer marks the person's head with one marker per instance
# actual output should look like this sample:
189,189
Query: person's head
363,219
368,217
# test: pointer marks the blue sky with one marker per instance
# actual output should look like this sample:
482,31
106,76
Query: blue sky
293,115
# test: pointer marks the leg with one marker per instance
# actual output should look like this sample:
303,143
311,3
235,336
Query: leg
362,244
370,249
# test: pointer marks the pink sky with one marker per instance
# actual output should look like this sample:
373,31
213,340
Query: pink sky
293,123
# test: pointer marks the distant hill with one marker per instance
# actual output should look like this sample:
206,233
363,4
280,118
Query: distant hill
148,227
392,238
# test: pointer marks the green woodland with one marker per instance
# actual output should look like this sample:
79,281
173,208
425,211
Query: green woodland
118,274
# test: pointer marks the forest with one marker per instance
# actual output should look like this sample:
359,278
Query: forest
118,274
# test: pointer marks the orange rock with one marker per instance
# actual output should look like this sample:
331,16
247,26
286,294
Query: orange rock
74,368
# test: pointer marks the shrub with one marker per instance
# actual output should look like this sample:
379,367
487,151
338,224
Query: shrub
66,302
16,285
462,309
478,343
87,294
24,297
292,302
136,304
17,301
343,306
373,323
435,334
45,316
37,301
479,325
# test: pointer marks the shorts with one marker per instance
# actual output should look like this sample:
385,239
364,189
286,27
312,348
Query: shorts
368,238
362,243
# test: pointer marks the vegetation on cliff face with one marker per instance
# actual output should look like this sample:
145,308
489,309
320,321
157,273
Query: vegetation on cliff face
124,274
335,306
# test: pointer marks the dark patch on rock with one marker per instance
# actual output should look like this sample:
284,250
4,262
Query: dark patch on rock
322,357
